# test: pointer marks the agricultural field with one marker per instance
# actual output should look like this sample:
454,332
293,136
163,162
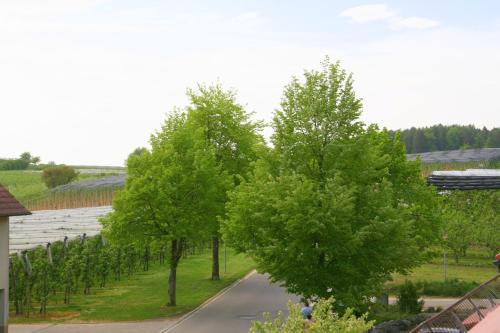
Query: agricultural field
48,226
193,288
27,186
93,189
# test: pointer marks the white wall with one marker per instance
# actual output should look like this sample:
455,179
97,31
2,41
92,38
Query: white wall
4,273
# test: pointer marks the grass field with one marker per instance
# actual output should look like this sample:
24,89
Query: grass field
144,294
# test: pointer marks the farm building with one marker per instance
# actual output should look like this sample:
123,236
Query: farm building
9,206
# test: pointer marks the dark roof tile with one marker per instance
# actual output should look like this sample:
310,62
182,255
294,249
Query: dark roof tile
9,206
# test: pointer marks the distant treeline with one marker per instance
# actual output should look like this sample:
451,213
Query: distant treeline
24,161
440,137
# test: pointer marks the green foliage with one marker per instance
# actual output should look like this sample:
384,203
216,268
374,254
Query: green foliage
440,137
226,127
408,298
471,218
137,152
450,287
16,164
324,320
26,156
229,132
337,209
444,288
169,193
380,313
57,290
21,163
59,175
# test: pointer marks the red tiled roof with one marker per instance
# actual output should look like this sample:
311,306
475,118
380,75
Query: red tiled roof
9,206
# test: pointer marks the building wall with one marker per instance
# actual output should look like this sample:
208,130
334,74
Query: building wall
4,273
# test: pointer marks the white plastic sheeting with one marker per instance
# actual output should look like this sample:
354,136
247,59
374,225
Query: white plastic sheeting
46,226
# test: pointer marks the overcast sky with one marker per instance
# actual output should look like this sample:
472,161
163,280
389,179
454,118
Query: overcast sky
87,81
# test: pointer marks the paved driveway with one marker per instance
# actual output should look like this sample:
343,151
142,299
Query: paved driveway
234,311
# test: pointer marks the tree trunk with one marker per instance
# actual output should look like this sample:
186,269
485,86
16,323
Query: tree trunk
172,283
175,256
215,258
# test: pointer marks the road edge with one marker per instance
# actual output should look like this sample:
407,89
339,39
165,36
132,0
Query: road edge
207,302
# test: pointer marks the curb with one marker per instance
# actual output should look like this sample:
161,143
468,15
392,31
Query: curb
207,302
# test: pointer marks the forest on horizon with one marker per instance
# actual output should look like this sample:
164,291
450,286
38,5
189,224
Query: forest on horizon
448,137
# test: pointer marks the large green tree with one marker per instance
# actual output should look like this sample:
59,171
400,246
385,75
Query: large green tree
229,131
168,193
337,209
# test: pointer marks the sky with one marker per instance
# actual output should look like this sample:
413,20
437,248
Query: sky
84,82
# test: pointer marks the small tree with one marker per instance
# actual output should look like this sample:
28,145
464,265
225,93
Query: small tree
324,319
228,130
167,194
26,156
58,175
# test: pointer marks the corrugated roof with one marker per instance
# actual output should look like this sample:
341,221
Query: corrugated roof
471,179
9,206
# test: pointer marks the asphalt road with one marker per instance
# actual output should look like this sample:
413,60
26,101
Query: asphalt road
235,310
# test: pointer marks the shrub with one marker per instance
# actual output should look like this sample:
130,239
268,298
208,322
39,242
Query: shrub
408,298
58,175
324,319
17,164
450,288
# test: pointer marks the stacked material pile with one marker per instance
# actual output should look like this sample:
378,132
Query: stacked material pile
471,179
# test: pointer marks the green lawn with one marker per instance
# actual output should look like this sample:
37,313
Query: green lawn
144,294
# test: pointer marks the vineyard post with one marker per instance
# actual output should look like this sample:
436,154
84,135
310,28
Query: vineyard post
14,285
27,278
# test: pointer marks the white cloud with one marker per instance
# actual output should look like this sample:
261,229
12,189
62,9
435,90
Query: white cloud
382,12
414,23
368,13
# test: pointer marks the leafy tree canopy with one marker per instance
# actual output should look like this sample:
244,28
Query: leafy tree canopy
337,209
448,137
169,192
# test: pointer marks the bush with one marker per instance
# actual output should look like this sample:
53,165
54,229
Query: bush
450,288
324,319
17,164
408,298
58,175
